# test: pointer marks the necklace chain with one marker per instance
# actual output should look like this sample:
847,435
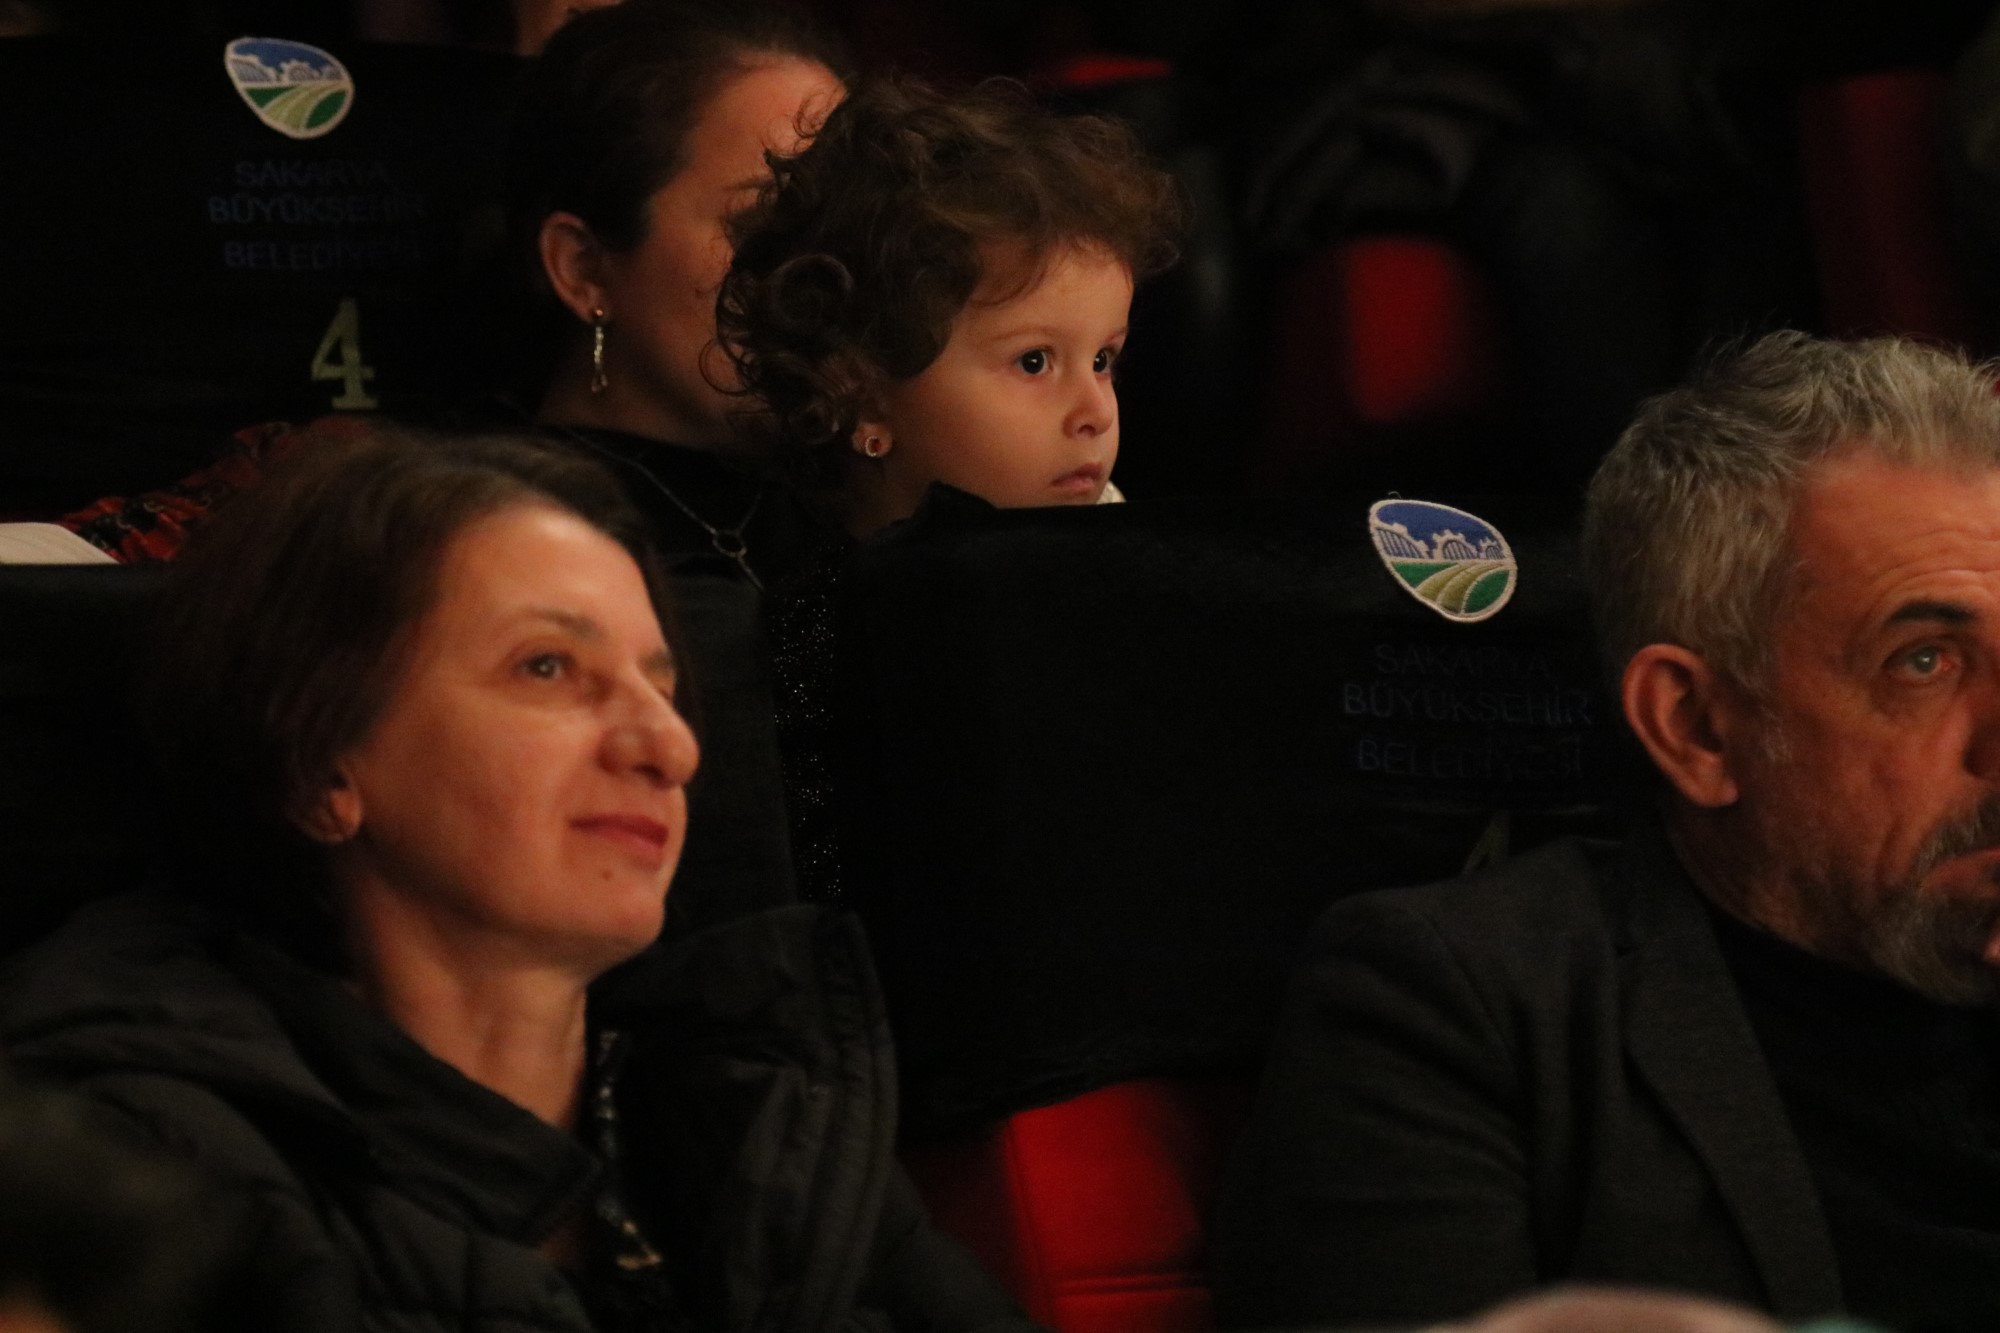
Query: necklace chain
728,542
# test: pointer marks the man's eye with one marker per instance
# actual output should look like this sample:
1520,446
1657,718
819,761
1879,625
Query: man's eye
1922,662
1034,362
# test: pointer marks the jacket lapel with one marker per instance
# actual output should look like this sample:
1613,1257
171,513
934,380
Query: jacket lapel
1687,1034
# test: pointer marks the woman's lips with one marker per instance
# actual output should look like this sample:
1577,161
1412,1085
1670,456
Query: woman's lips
645,837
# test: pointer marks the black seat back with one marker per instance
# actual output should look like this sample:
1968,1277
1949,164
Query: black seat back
174,268
1103,767
76,792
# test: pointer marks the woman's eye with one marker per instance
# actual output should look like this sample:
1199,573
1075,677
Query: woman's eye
1106,357
1034,362
546,666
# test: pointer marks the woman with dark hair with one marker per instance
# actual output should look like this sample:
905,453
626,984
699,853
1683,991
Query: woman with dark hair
417,705
936,290
642,128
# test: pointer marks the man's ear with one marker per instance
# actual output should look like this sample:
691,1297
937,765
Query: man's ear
1686,716
573,259
331,816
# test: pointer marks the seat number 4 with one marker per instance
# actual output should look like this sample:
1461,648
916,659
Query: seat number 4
339,359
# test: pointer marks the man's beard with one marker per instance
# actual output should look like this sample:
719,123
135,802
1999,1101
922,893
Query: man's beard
1931,941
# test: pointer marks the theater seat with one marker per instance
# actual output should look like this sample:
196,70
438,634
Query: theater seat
76,795
1098,769
1380,342
1871,154
176,266
1093,1211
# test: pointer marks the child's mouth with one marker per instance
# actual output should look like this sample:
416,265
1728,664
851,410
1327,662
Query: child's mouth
1082,480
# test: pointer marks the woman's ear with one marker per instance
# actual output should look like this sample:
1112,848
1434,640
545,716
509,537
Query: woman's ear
1686,716
573,258
331,816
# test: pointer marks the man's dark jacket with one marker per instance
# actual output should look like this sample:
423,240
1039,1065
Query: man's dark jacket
1538,1074
380,1189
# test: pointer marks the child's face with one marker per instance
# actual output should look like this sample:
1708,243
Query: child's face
1019,408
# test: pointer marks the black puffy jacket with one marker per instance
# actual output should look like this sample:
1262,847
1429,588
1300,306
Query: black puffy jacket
381,1189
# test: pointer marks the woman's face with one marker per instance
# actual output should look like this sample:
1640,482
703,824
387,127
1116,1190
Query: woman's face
660,296
522,795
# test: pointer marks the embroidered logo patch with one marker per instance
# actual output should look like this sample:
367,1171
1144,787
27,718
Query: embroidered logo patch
297,90
1455,563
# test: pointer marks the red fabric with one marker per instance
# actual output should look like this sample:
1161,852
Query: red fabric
1096,71
151,527
1374,333
1093,1211
1870,148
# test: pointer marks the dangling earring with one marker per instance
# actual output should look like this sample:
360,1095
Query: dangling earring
873,447
599,382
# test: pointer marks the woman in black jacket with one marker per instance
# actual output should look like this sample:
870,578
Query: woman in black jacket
417,705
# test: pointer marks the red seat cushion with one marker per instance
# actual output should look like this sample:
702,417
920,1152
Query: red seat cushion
1093,1211
1870,151
1374,333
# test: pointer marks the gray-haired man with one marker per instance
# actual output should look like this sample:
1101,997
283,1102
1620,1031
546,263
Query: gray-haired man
1752,1053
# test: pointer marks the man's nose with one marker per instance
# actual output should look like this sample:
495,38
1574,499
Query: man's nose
1982,752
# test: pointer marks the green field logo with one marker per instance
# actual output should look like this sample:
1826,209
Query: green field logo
1455,563
298,90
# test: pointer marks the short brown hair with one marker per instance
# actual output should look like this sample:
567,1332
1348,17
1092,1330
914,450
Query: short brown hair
285,627
862,250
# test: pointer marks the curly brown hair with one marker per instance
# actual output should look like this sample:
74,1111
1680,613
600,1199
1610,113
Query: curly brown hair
860,253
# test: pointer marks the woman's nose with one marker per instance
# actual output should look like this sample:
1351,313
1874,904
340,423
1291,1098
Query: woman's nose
651,739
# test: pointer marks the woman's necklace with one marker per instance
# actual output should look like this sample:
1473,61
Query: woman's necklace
728,542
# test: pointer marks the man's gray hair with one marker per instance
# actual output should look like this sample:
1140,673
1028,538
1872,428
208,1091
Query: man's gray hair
1687,524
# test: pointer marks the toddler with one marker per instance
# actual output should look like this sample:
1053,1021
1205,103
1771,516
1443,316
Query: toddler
937,289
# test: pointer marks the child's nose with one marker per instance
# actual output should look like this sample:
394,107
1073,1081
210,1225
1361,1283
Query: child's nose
1096,408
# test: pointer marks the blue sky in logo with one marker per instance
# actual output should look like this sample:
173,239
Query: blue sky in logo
1424,521
274,54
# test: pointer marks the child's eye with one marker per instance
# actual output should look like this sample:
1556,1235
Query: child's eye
1105,358
1034,362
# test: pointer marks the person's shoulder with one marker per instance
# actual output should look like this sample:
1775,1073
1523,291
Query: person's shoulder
112,955
1558,887
137,988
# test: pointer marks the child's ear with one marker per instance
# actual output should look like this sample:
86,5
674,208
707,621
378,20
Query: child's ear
872,439
573,259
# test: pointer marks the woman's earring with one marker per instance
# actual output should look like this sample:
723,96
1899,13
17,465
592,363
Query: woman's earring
599,382
873,447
